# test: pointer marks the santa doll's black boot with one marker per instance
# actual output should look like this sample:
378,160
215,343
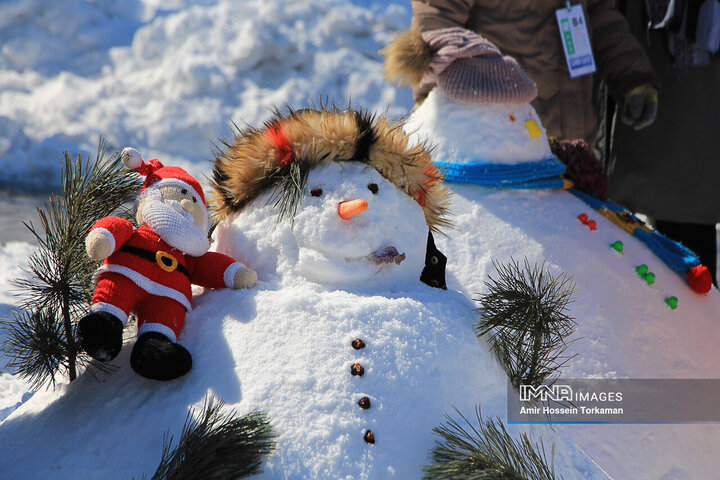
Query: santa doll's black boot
154,356
100,335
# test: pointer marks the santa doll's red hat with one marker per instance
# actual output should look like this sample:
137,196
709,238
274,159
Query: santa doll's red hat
157,175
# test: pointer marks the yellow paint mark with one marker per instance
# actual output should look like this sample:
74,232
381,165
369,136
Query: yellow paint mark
533,128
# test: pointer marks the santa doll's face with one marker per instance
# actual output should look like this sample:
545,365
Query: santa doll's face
177,216
187,200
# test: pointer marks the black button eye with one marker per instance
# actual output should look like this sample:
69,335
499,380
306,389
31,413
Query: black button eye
194,200
316,192
373,188
183,191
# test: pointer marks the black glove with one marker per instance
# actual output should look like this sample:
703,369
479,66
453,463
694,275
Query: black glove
640,107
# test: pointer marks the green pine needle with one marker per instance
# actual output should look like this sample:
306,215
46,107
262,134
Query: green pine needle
485,452
217,446
36,346
525,313
58,287
289,188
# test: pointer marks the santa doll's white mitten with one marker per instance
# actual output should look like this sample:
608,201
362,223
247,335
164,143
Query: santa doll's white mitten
98,245
245,278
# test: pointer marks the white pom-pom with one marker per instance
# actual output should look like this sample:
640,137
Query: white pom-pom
131,158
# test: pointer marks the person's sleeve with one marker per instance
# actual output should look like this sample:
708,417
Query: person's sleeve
213,270
621,59
117,230
435,14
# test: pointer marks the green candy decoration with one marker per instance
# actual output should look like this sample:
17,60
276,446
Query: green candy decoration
641,269
618,246
649,278
672,302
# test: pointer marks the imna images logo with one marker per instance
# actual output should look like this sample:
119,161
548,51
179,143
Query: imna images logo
543,393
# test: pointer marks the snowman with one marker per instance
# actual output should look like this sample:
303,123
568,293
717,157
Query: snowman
353,356
508,190
479,117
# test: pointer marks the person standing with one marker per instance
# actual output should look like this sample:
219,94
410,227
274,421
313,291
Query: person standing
671,170
528,31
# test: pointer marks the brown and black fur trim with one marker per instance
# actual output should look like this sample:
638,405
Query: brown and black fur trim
407,58
281,154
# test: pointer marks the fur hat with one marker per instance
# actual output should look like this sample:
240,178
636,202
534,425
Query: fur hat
465,66
281,154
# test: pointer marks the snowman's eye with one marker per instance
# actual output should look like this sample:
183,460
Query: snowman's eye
316,192
183,191
373,188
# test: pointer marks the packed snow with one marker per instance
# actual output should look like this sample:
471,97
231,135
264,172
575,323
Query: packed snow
170,78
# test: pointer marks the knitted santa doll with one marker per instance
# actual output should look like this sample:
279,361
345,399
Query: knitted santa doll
149,270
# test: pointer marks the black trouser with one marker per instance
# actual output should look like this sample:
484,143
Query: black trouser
698,237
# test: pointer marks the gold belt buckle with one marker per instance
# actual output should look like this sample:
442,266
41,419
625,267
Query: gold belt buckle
166,261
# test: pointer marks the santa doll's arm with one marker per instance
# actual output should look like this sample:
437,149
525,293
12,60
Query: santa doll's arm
217,270
106,236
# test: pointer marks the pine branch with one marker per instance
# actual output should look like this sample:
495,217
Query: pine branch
525,313
217,446
36,346
59,272
485,452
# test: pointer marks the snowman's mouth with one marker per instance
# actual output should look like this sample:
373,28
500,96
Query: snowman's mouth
386,255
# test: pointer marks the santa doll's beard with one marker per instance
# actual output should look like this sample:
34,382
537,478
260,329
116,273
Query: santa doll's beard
176,226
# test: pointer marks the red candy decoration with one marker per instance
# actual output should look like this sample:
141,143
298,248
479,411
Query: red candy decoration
591,224
583,218
699,278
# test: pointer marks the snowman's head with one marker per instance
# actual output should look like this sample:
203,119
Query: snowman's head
348,200
355,226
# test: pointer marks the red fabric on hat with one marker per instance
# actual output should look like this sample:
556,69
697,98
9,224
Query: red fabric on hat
155,171
285,153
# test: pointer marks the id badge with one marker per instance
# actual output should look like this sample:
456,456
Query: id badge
575,40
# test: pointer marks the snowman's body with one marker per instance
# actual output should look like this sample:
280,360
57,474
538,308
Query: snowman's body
294,350
625,329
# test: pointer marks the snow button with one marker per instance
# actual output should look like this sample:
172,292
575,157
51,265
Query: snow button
358,344
357,369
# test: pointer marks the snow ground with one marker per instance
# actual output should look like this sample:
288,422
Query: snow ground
168,78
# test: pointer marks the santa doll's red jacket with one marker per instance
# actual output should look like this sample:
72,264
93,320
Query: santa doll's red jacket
156,267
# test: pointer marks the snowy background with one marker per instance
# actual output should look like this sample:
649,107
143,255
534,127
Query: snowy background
170,78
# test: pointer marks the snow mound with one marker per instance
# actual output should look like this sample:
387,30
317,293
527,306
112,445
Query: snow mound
167,77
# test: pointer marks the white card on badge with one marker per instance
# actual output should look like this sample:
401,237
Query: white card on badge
575,40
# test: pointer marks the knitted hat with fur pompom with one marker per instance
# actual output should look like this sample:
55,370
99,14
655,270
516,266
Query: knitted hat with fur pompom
467,67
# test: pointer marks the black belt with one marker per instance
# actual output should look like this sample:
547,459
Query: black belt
164,260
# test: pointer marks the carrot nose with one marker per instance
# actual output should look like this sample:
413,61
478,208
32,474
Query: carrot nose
349,209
